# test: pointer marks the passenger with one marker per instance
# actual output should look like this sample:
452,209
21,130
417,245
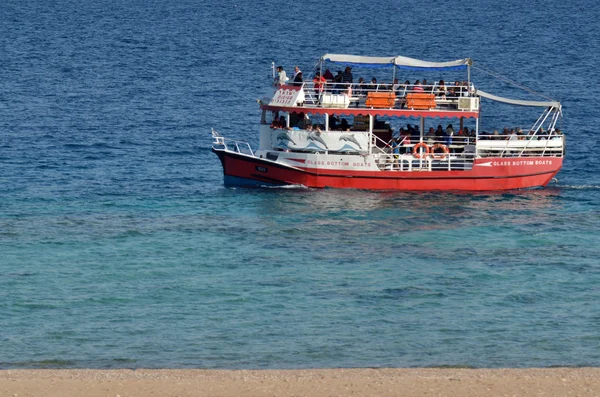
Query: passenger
405,141
360,86
344,126
338,87
425,88
465,88
328,75
396,86
282,122
417,87
319,82
439,133
464,134
297,76
332,122
347,75
373,85
541,134
281,78
454,90
441,90
449,134
430,136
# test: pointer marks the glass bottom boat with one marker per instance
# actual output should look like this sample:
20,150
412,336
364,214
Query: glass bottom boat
339,135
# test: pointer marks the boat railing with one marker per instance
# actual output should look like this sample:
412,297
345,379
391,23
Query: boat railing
231,145
539,145
364,95
407,161
440,153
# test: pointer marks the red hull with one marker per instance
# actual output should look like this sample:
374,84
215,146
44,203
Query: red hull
486,174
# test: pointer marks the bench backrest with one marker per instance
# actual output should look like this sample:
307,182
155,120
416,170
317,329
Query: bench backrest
380,99
419,100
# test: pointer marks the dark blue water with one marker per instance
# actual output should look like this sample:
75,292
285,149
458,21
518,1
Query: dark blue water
120,247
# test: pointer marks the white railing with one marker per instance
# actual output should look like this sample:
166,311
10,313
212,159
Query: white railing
231,145
459,154
538,145
445,96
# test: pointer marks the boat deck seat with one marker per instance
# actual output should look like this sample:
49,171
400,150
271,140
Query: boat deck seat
380,100
420,100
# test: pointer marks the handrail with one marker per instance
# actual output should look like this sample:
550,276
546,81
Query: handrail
456,90
358,92
219,140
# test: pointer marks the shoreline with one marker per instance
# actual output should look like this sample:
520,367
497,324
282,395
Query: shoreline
409,382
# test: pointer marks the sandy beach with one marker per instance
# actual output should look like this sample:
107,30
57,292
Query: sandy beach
319,382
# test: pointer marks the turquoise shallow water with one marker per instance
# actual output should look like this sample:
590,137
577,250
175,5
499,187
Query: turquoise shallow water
120,247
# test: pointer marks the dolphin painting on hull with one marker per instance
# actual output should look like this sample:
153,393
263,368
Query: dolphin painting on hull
284,137
350,138
313,136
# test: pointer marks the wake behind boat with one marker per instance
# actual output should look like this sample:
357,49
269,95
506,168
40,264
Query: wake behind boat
338,133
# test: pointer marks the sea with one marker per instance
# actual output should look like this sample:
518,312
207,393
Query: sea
120,247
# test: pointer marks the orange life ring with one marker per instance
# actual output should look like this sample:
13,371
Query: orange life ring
444,150
417,153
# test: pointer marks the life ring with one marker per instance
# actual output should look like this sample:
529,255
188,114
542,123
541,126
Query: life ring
442,155
417,153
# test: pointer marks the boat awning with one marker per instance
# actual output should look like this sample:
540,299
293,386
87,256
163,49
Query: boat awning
357,60
398,61
543,104
416,64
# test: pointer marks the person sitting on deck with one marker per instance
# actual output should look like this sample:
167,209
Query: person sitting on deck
418,87
373,85
464,136
344,126
442,90
439,133
396,87
406,87
360,86
430,135
332,122
275,124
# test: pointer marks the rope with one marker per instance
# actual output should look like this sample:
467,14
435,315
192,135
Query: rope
509,81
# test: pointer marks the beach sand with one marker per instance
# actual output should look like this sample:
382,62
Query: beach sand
318,382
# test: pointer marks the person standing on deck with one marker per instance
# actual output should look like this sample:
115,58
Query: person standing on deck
297,76
319,84
281,76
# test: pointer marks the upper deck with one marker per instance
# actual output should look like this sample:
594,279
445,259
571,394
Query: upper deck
378,99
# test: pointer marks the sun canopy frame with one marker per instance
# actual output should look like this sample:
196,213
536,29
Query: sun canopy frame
400,62
519,102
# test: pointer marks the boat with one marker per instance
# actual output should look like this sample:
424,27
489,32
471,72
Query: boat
321,133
